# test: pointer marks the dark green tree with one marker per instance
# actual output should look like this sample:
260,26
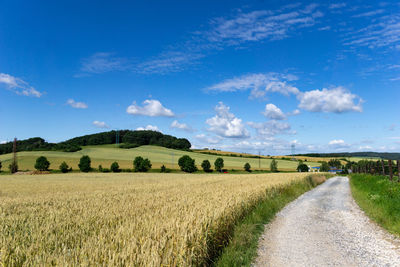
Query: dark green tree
324,167
64,168
274,166
247,167
163,168
219,164
13,167
335,163
187,164
85,164
42,164
302,168
206,165
115,167
141,165
0,166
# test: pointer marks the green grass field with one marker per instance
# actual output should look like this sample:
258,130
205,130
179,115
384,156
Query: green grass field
106,154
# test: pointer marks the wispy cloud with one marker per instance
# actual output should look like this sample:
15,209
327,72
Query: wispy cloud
337,5
369,14
151,108
74,104
103,62
18,86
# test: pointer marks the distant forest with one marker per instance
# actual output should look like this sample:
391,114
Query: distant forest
383,155
128,137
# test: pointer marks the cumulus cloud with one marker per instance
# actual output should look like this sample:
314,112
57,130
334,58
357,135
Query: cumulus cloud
100,124
181,126
338,144
225,124
273,112
148,128
294,112
336,100
18,86
270,128
103,62
75,104
259,84
152,108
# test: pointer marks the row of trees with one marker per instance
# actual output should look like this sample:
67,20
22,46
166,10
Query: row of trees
379,167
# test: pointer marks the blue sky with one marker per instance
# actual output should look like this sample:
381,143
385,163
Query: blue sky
235,75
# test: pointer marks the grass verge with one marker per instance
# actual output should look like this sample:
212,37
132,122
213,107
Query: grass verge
379,198
242,248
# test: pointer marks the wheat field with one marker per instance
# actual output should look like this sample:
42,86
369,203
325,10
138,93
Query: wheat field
123,219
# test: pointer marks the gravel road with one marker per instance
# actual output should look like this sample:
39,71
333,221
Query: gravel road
325,227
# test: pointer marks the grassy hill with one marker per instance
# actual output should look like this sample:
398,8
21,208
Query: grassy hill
106,154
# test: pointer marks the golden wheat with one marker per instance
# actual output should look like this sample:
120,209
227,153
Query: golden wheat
123,219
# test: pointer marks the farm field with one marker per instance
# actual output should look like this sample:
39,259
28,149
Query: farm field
106,154
131,219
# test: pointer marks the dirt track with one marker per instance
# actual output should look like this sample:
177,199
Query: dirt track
325,227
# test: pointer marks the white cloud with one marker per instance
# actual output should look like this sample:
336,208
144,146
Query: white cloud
208,140
3,142
337,5
370,13
365,148
294,112
75,104
100,124
259,84
103,62
152,108
270,128
181,126
18,86
226,124
273,112
337,100
168,62
339,144
148,128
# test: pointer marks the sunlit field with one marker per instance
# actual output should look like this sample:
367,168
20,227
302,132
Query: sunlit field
123,219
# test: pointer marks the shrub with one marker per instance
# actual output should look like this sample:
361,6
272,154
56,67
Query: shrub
13,167
100,168
163,168
302,168
274,166
187,164
64,168
141,165
324,167
128,146
247,167
105,170
42,164
0,166
206,165
335,163
219,164
115,167
84,164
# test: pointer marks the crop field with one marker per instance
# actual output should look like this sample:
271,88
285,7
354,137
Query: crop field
123,219
106,154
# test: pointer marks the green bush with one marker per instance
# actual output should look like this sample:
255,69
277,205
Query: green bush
100,168
324,167
128,146
0,166
141,165
84,164
13,167
163,168
206,165
219,164
274,166
64,168
105,170
302,168
247,167
115,167
42,164
187,164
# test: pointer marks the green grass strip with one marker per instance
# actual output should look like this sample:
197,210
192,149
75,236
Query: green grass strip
242,248
379,198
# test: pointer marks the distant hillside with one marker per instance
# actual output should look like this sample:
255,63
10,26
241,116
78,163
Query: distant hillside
128,137
383,155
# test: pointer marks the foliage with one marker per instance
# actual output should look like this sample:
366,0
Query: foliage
141,165
0,166
42,164
302,168
247,167
335,163
379,198
86,209
206,165
64,168
219,164
85,164
274,166
383,155
13,167
163,168
324,167
128,146
187,164
115,167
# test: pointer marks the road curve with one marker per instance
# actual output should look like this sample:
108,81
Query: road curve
325,227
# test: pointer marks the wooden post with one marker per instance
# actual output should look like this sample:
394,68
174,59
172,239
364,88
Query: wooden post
383,167
398,170
390,170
